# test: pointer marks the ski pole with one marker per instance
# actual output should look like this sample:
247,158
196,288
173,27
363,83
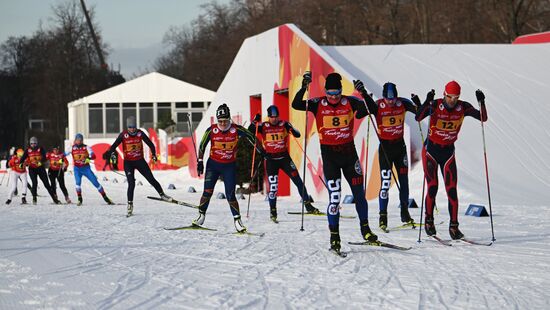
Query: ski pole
424,182
191,133
486,170
252,168
305,156
423,187
311,163
367,156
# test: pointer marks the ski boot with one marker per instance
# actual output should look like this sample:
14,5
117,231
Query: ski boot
79,203
199,220
429,225
405,216
68,200
165,197
8,201
33,200
239,224
55,200
130,209
310,208
107,200
454,231
383,221
23,200
335,243
367,234
273,214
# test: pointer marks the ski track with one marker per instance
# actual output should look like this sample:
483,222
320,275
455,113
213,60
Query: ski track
68,257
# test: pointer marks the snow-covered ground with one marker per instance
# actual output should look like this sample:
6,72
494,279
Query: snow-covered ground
93,257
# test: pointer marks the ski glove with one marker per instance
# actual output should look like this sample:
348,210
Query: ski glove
257,118
430,96
113,157
480,96
416,100
60,161
154,158
87,161
359,86
306,79
200,167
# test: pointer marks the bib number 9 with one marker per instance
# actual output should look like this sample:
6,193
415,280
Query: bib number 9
389,121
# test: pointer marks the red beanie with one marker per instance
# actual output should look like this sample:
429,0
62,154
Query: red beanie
452,88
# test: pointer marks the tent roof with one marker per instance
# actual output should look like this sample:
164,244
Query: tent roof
151,87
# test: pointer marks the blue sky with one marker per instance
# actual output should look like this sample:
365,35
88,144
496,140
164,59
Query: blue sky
133,28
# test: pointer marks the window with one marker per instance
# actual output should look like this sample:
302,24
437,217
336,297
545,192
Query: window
112,117
95,118
196,118
128,109
146,115
164,112
182,105
197,104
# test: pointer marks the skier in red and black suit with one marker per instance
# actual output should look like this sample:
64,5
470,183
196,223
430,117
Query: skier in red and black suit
446,116
222,161
56,171
334,115
35,156
132,146
389,112
275,141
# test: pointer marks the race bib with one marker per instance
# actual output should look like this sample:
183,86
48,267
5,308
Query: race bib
448,125
389,121
337,121
225,145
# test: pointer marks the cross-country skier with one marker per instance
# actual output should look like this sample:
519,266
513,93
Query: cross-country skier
334,114
35,155
275,142
446,116
389,112
56,171
18,172
82,155
132,147
222,161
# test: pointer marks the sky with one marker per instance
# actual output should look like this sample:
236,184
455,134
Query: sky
134,29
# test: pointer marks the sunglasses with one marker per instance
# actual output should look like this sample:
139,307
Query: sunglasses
333,92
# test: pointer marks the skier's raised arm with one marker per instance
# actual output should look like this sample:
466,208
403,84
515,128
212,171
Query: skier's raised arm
427,108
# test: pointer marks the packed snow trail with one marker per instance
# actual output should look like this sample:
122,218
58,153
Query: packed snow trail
69,257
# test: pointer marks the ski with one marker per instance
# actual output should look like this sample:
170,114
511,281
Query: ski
191,227
248,233
319,214
338,253
381,244
476,242
441,241
411,226
181,203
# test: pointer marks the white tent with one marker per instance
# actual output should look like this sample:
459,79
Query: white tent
146,97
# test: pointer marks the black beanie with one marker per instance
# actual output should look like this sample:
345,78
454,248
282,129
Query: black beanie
333,81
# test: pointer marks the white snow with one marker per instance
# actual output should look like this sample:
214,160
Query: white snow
93,257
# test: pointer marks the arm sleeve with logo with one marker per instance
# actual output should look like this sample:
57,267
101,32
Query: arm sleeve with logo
204,142
115,144
469,110
149,143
